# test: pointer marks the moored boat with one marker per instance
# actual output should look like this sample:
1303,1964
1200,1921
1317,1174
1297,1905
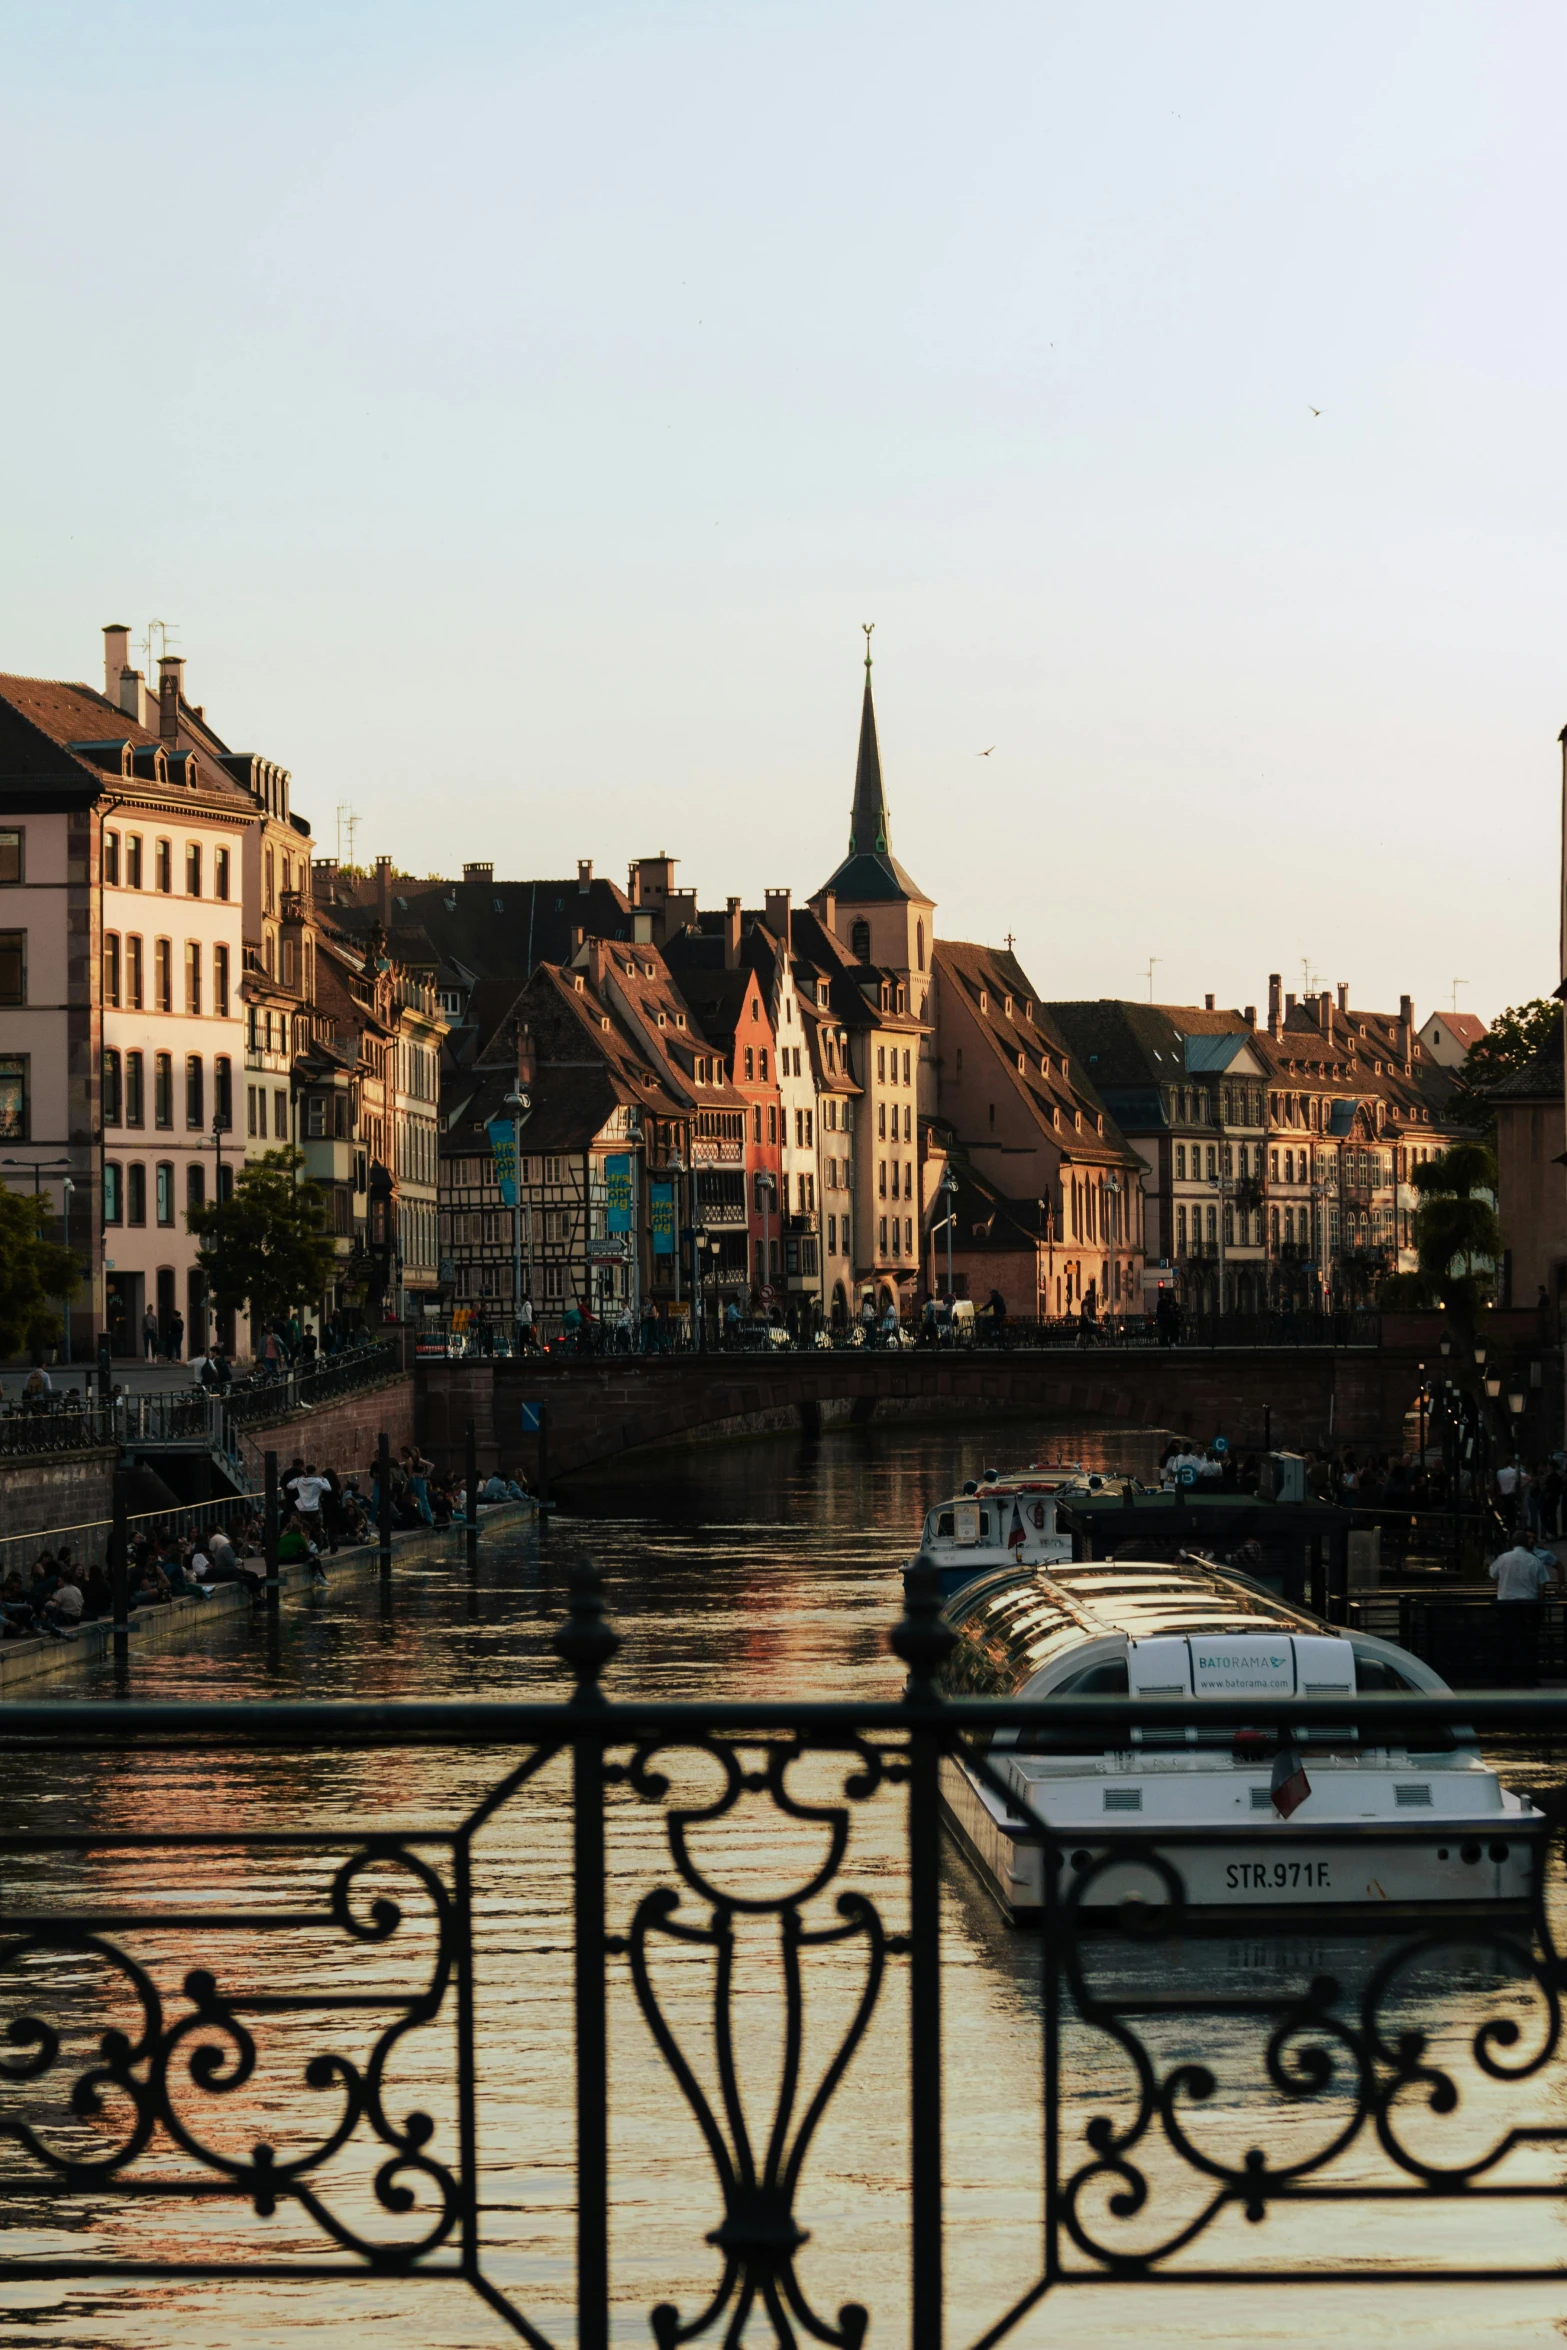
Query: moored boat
1299,1821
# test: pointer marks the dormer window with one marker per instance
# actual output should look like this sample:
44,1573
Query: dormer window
1099,1123
1028,1007
1006,1006
701,1069
984,1000
1077,1121
1022,1063
821,994
603,1019
663,1019
1044,1064
680,1019
647,971
577,983
903,999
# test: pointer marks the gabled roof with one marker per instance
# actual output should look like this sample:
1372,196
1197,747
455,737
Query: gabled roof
41,718
499,929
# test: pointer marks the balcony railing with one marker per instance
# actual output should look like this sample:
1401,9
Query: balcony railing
327,2083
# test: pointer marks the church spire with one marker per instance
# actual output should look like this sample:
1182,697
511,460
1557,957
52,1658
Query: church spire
869,831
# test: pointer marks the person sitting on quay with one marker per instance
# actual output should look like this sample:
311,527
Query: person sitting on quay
97,1595
17,1621
149,1586
63,1614
501,1486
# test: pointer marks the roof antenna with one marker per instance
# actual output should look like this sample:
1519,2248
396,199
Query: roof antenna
1457,984
1148,974
168,631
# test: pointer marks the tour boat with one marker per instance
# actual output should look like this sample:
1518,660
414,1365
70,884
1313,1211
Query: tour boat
1007,1518
1304,1822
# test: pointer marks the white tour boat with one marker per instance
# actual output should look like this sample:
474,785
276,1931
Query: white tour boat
1249,1821
1007,1518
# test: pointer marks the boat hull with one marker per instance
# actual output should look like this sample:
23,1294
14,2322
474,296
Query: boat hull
1330,1872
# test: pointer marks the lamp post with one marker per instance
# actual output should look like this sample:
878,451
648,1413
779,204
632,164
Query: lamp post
677,1168
947,1193
766,1189
1113,1187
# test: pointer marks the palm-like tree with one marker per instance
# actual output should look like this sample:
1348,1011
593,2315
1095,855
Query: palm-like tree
1456,1223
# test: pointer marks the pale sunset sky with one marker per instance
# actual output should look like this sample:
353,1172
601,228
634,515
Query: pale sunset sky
517,410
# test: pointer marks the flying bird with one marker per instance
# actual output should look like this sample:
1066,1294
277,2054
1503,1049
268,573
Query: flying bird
984,754
1314,411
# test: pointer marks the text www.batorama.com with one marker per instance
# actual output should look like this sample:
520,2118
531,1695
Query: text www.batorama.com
124,2059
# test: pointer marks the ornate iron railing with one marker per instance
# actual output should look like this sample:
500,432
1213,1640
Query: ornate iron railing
187,2004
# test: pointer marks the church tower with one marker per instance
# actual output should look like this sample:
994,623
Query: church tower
878,912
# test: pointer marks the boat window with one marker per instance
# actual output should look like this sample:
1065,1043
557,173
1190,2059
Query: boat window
944,1525
1106,1680
1375,1676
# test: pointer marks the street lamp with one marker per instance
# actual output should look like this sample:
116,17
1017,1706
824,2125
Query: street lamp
1447,1346
947,1192
1479,1358
766,1189
1493,1385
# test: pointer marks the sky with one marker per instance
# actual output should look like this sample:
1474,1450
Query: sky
516,411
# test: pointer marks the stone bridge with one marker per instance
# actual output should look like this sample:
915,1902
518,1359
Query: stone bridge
600,1408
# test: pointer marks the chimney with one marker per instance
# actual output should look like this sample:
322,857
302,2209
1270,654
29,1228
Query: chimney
383,892
525,1059
116,657
483,875
584,875
1274,984
830,912
1289,1005
1250,1015
777,903
1343,998
1325,1013
1406,1010
731,934
171,689
325,870
1207,1003
578,937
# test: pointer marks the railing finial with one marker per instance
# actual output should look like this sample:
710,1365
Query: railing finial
921,1638
587,1639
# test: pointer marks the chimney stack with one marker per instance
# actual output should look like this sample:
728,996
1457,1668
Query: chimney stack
383,892
1274,985
1289,1005
171,689
777,903
731,934
584,875
1325,1013
525,1060
1343,998
116,657
830,912
483,875
1207,1003
1250,1015
578,940
325,871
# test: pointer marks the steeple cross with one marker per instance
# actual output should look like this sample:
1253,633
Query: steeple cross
868,626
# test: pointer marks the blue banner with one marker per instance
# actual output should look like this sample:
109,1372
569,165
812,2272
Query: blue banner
661,1202
617,1194
503,1142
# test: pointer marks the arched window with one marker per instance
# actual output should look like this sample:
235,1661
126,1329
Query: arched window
860,942
919,946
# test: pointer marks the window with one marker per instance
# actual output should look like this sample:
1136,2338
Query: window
220,873
750,1058
111,859
163,974
195,1185
111,1088
832,1236
761,1059
905,1068
133,1090
881,1064
133,974
13,862
919,946
113,1197
288,965
165,1191
13,1097
136,1194
13,966
192,975
111,968
908,1235
881,1178
756,1122
860,942
269,879
1180,1162
163,867
908,1122
881,1120
133,860
1213,1227
223,1091
280,1113
772,1121
315,1117
1180,1232
162,1089
220,982
195,1092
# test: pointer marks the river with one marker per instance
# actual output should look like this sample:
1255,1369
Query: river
759,1569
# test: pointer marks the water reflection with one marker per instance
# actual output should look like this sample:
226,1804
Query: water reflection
762,1570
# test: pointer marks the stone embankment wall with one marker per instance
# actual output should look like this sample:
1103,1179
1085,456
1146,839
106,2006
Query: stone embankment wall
43,1491
342,1434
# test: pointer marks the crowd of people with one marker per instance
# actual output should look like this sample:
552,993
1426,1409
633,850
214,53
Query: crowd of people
320,1512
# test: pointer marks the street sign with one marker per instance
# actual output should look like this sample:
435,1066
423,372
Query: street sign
613,1248
1221,1445
532,1418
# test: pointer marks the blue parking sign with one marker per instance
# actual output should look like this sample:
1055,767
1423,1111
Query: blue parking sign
532,1418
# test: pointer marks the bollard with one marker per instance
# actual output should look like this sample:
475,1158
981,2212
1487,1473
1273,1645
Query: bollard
544,1454
119,1571
383,1498
471,1473
269,1530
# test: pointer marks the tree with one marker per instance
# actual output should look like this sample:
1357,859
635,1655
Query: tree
1508,1045
1456,1223
267,1246
34,1275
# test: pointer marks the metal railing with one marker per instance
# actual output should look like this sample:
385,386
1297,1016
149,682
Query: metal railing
263,1398
1322,2086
